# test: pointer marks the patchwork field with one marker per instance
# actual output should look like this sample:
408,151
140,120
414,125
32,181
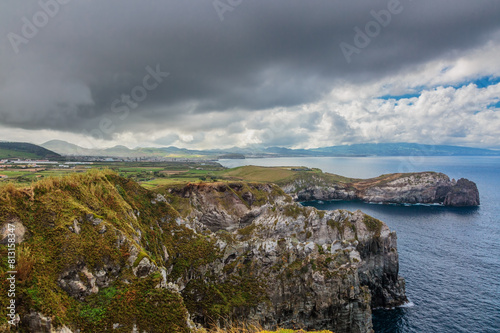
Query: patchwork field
152,175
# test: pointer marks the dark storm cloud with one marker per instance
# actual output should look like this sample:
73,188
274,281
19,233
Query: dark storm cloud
264,54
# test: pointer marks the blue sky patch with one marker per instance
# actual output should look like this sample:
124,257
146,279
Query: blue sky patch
482,82
398,97
494,106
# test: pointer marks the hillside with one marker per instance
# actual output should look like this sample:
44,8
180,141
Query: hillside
23,150
98,252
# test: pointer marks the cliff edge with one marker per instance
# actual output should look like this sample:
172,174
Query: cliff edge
317,269
97,252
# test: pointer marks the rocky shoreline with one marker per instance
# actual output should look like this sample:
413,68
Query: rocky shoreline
412,188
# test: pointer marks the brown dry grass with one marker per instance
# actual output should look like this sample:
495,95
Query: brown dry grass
25,262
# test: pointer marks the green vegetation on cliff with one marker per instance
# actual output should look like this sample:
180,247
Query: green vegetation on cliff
372,224
85,223
85,238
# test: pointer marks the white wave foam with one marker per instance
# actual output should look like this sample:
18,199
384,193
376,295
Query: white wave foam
408,304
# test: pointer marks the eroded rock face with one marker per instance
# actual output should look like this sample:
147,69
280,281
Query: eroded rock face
424,187
319,270
144,268
79,281
379,269
412,189
36,322
463,193
316,189
320,193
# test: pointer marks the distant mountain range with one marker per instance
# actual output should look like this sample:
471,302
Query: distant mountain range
365,149
388,149
69,149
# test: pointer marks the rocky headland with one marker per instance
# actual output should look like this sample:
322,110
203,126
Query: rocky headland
98,252
398,188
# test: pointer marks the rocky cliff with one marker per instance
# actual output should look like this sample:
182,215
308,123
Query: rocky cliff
97,252
316,269
409,188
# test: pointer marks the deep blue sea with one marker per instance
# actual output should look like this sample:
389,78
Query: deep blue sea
450,257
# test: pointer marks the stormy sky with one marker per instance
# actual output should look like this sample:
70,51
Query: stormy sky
222,73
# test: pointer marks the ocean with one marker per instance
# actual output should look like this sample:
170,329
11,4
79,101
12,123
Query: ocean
450,257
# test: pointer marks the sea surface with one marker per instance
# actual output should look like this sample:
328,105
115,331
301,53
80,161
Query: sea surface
450,257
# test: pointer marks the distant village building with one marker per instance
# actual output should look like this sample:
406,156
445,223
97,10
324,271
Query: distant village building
77,163
33,162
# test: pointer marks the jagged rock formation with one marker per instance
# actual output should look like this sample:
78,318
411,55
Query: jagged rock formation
411,188
105,254
314,269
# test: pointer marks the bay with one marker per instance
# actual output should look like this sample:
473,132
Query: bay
450,257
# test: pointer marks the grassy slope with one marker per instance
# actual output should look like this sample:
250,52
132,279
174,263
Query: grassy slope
48,208
25,150
279,175
9,153
260,174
